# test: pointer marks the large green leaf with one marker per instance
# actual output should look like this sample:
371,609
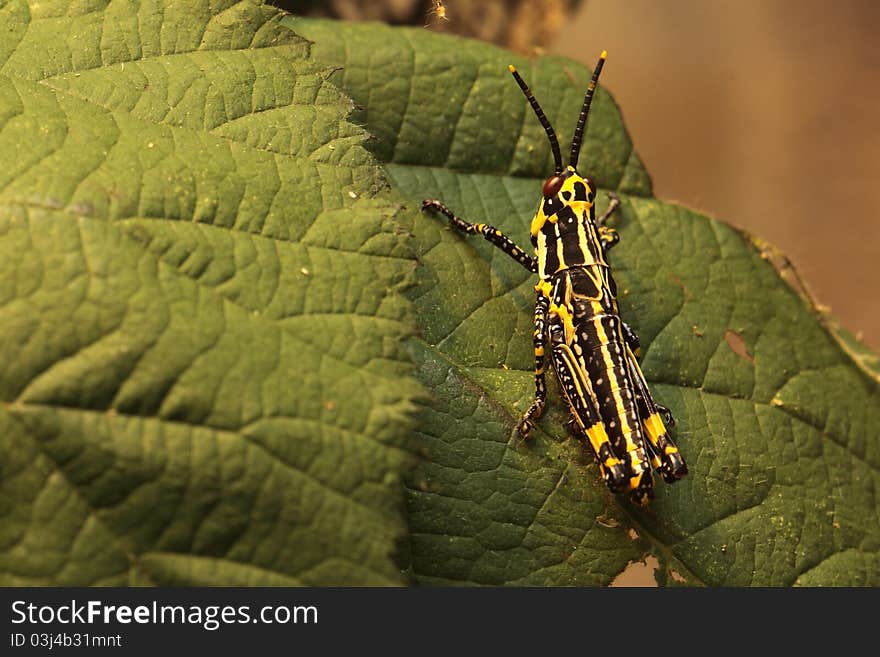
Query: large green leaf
202,377
778,424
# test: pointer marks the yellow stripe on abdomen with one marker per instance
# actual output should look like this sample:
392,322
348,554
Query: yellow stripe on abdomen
655,428
609,372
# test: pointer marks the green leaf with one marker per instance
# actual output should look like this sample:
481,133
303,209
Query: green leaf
778,424
202,377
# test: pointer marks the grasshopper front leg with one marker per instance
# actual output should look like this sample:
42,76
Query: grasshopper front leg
607,235
489,233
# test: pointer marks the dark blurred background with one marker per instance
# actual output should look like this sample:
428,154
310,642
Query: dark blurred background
762,113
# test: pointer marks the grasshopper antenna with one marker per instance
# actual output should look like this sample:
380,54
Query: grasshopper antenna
582,119
545,123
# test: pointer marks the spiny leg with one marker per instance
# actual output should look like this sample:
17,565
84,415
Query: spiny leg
613,204
665,456
633,342
490,233
607,235
539,337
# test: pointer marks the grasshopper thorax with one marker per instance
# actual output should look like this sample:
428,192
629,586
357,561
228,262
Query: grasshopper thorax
563,230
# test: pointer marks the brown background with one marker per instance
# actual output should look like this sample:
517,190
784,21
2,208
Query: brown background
762,114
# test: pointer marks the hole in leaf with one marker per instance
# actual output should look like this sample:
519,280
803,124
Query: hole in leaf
638,573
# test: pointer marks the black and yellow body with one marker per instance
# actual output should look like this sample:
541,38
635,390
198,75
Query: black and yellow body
579,330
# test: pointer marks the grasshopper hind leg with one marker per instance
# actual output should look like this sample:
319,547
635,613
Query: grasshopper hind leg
665,457
641,495
667,415
588,423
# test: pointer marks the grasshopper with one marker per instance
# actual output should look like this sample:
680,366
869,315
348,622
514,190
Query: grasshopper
578,325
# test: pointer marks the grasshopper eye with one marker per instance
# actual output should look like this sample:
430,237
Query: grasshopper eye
551,187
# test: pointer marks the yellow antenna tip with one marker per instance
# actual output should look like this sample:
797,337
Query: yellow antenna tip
511,68
604,55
